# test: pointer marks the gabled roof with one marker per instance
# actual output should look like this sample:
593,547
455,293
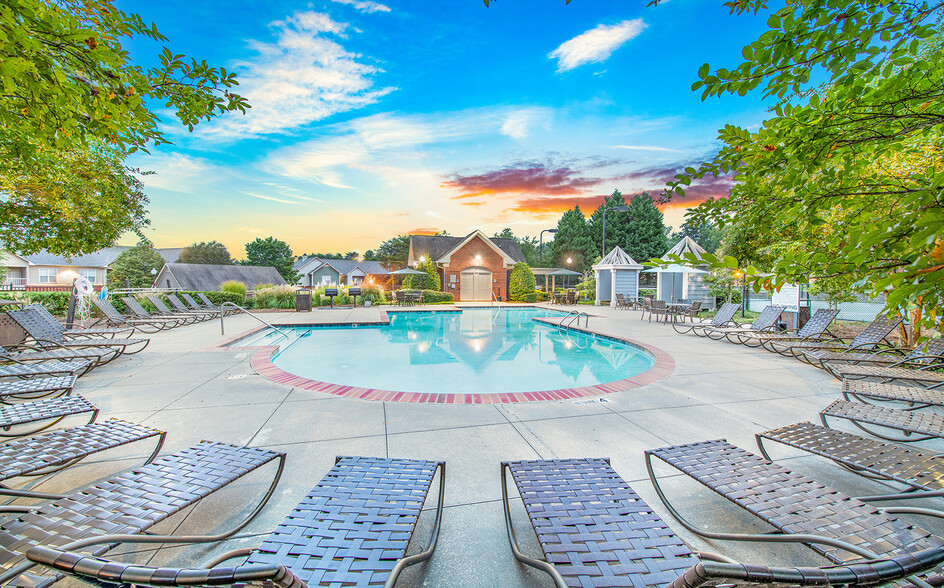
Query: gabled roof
101,258
302,261
207,278
618,259
346,266
437,247
687,245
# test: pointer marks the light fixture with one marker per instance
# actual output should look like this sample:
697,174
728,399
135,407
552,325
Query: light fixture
153,271
569,260
478,258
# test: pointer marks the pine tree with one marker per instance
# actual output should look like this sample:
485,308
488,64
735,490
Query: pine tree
574,241
618,224
646,235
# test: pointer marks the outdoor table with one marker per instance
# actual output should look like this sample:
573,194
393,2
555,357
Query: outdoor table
676,308
558,298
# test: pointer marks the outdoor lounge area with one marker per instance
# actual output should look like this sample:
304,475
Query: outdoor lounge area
455,462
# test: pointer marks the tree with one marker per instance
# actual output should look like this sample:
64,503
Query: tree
618,224
527,245
135,265
853,168
428,281
645,232
706,235
212,253
272,252
522,285
69,202
348,255
392,252
574,241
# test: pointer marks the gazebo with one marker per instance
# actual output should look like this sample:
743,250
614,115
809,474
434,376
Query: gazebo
617,273
672,286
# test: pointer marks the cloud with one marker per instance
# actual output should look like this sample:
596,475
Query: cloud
518,123
522,178
644,148
263,197
595,45
698,192
554,205
364,5
302,77
424,231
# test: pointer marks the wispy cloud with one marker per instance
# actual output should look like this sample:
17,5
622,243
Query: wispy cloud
364,5
595,45
522,178
304,76
656,179
273,199
518,123
644,148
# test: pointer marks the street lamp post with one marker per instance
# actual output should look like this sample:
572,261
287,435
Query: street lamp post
605,210
541,244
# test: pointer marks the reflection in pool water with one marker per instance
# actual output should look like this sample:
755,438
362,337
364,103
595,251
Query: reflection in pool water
475,351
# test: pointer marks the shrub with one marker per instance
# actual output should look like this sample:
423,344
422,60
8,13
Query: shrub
522,284
234,287
372,292
263,286
540,296
437,297
428,282
275,297
647,291
221,297
55,302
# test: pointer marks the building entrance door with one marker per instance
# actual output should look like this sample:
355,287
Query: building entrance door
475,283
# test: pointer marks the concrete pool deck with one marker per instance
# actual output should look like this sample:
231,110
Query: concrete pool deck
715,390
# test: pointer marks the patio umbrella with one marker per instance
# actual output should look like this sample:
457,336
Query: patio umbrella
560,272
674,269
407,272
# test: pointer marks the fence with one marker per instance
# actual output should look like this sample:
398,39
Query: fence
862,309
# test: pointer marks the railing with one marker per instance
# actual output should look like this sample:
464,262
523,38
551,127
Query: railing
495,301
10,283
241,309
573,315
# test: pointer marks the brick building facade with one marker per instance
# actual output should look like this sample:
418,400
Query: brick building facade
471,268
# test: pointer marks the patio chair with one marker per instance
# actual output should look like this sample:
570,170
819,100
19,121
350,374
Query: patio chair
111,316
126,506
90,332
353,529
646,306
932,351
913,396
11,367
621,302
33,388
139,311
162,310
869,339
839,527
58,449
919,471
765,322
594,530
913,425
657,308
815,329
693,310
926,376
723,318
42,414
180,307
23,353
47,336
209,304
570,298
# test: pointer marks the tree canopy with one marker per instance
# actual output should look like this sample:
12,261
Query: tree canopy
135,265
646,231
574,241
272,252
211,253
845,181
392,252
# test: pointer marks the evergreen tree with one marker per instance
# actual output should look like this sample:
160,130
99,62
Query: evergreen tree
574,241
522,285
429,281
646,236
135,264
618,224
705,234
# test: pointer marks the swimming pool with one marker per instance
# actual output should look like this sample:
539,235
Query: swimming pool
468,352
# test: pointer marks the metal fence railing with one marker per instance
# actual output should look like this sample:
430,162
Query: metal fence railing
848,311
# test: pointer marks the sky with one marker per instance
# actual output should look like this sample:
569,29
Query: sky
371,119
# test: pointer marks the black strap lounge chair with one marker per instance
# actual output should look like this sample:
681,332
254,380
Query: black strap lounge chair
353,529
594,531
54,450
126,506
209,304
111,316
141,313
931,351
23,353
53,322
162,310
921,472
194,305
42,414
33,388
180,307
928,376
724,318
815,329
913,396
46,335
13,368
765,322
801,510
914,425
869,339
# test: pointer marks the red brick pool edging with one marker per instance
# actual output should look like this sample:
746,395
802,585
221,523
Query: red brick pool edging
261,362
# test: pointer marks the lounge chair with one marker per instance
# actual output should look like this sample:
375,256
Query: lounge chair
914,396
869,339
210,306
724,318
139,311
162,310
594,530
55,450
914,425
353,529
927,376
111,316
52,321
815,329
930,352
46,335
42,414
765,322
33,388
919,471
128,504
194,305
839,527
24,353
14,368
179,306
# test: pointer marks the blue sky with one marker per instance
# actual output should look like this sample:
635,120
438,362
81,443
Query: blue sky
372,119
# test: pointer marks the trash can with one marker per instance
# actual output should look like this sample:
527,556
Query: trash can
303,300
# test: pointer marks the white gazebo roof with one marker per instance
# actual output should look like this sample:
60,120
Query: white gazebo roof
617,259
687,245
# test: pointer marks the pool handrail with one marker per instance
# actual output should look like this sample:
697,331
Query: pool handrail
574,315
240,308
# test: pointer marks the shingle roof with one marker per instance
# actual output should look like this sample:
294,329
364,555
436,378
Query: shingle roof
687,245
101,258
618,257
435,246
346,266
302,261
207,278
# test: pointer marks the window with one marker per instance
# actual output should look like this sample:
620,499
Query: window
89,274
47,275
325,280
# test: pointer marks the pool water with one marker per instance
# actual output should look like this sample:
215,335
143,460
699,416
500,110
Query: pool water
473,351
